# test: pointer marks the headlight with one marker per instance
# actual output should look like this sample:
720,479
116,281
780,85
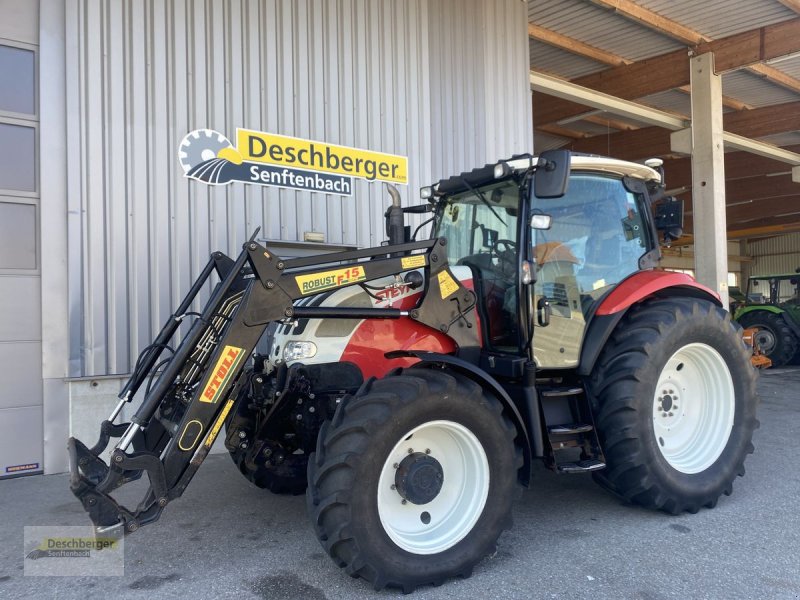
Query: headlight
298,350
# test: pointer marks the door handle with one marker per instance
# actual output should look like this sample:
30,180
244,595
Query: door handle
543,312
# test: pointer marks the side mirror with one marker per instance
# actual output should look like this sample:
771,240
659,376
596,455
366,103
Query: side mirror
552,175
669,218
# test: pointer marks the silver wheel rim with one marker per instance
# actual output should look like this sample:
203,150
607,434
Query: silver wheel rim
448,518
693,408
765,340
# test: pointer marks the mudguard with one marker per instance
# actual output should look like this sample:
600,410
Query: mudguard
636,288
483,378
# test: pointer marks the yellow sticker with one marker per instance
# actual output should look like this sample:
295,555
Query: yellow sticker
212,435
447,284
221,373
318,282
412,262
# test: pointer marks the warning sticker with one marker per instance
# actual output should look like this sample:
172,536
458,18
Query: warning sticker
212,435
412,262
447,284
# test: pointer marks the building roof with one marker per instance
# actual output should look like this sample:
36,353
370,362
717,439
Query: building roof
601,43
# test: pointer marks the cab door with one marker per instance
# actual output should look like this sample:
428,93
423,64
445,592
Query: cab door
595,241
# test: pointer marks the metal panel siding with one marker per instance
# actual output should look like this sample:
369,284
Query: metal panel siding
599,27
554,60
780,254
399,77
754,90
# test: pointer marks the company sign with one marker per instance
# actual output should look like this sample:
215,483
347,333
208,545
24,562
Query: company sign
277,160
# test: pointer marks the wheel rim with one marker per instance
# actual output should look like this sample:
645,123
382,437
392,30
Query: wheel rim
446,519
693,408
765,340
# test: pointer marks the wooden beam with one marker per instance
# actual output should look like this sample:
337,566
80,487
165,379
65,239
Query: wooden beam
761,228
653,20
569,44
655,141
671,70
738,165
765,227
562,132
643,143
690,36
775,76
791,4
612,123
755,210
563,42
769,207
764,121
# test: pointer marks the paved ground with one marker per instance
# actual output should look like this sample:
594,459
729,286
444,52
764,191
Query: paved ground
227,539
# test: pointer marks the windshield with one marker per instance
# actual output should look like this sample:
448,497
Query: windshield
481,234
598,228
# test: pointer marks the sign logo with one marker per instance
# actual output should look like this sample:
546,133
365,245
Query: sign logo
277,160
312,284
221,373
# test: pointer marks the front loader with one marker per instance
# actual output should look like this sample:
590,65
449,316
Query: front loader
408,388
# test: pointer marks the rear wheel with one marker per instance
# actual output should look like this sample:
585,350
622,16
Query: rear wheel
676,405
774,337
413,479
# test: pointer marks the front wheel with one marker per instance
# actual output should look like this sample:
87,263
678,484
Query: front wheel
676,400
414,478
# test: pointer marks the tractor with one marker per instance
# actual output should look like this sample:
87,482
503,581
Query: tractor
407,389
776,316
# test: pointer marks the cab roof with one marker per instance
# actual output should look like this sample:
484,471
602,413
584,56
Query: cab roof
579,162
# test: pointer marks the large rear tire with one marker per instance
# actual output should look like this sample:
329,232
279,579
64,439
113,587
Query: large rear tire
414,479
774,337
676,405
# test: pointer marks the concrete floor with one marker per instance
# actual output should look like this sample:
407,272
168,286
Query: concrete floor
227,539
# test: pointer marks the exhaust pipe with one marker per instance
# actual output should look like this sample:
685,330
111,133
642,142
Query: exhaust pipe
395,223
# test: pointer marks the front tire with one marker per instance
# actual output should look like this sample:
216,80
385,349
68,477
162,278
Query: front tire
676,404
414,479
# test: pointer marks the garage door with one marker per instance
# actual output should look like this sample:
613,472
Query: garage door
20,293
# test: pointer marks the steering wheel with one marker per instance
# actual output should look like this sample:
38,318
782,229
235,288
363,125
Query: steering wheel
506,253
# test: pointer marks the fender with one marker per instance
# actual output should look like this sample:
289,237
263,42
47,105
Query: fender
484,380
767,307
639,286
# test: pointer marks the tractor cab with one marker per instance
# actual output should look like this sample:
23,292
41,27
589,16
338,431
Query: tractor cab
600,232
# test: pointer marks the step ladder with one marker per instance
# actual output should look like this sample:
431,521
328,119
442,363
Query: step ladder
573,443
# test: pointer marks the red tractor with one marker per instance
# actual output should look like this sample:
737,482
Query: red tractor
407,389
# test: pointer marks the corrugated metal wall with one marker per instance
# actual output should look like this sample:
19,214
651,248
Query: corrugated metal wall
441,82
780,254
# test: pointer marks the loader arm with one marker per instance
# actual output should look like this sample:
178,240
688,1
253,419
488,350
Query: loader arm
178,419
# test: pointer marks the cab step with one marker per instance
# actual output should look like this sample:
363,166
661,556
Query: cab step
569,429
561,392
582,466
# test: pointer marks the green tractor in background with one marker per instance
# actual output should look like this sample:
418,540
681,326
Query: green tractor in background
777,315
